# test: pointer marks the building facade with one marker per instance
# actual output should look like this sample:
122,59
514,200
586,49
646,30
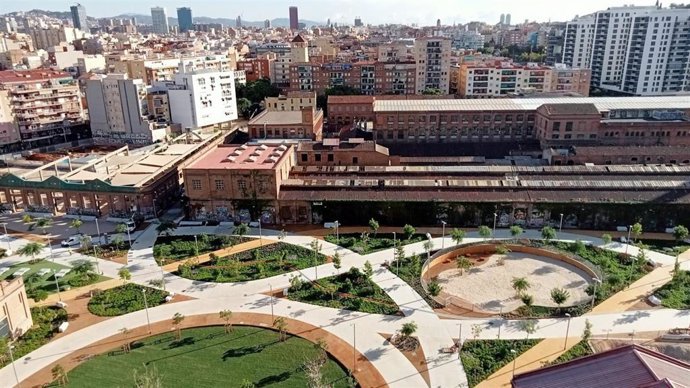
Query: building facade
294,18
159,19
15,315
369,78
305,124
184,19
432,57
293,101
79,17
255,69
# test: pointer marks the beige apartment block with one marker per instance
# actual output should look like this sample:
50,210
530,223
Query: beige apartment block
15,316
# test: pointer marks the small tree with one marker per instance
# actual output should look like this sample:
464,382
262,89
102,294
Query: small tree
43,224
121,229
83,267
457,235
59,375
374,226
520,285
126,347
76,224
428,246
329,288
587,332
548,233
295,283
680,233
177,323
29,221
281,325
408,329
434,288
226,316
4,349
31,249
477,331
337,262
528,301
368,270
408,231
484,231
247,384
118,241
124,274
313,370
516,231
148,378
241,230
559,296
463,263
529,326
636,230
606,238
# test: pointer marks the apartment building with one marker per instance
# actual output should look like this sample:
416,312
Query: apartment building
43,106
432,57
15,315
633,50
155,70
494,79
370,78
159,18
256,69
184,19
119,111
285,55
202,99
395,52
293,101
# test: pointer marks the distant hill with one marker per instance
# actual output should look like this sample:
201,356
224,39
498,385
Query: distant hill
146,19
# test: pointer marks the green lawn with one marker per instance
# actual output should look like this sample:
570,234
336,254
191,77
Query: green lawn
374,243
168,249
207,357
482,358
252,264
36,285
580,349
124,299
676,293
350,290
46,319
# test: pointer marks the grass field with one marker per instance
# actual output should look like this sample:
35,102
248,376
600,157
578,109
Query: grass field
207,357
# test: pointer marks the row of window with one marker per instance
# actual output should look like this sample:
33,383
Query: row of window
457,118
219,185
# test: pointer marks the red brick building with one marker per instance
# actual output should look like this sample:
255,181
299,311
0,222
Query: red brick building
306,123
255,69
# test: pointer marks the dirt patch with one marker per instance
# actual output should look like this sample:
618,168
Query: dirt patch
365,374
415,357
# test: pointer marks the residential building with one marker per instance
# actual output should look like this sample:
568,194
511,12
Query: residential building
44,105
305,124
293,101
633,50
555,41
159,18
240,77
184,19
119,111
202,99
395,52
15,315
469,40
370,78
432,57
294,19
255,69
91,63
154,70
79,17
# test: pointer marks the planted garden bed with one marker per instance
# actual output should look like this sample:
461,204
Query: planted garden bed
481,359
124,299
365,243
174,248
46,321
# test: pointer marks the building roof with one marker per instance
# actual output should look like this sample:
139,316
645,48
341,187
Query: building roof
241,157
277,118
14,76
530,104
629,366
298,39
570,109
350,99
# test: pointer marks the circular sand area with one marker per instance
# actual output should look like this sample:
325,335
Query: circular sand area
489,286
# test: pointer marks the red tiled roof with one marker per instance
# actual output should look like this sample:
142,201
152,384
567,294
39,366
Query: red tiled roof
351,99
12,76
298,39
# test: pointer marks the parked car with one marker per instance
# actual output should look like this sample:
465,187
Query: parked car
72,240
131,225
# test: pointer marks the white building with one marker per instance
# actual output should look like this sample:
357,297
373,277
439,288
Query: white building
119,112
240,77
633,50
202,98
432,56
94,63
159,19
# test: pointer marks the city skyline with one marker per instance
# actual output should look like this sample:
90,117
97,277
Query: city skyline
372,12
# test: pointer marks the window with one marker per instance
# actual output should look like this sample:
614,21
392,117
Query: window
569,126
557,126
317,157
242,184
305,157
330,157
220,185
355,160
196,184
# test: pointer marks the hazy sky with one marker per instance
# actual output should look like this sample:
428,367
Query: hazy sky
423,12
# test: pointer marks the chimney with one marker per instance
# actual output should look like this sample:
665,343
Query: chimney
308,115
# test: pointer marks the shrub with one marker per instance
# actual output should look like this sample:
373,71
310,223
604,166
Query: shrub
124,299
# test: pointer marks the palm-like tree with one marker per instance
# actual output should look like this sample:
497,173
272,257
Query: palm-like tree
408,329
434,288
177,322
520,285
76,224
43,224
83,267
226,316
528,301
31,249
124,274
463,263
484,232
29,221
559,296
516,231
457,235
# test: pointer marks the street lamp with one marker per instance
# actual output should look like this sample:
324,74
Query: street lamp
337,234
354,348
627,242
514,359
57,285
196,244
261,243
129,236
567,330
146,306
459,335
594,294
162,278
493,234
14,368
98,230
270,287
7,238
443,234
560,226
95,254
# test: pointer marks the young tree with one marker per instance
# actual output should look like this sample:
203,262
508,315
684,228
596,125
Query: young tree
559,296
428,246
226,316
121,229
76,224
368,270
680,233
520,285
516,231
82,267
548,233
177,322
374,226
43,224
408,231
329,288
295,283
477,331
528,301
118,241
313,370
587,332
59,375
4,349
315,246
126,347
337,262
29,221
408,329
463,263
148,378
636,230
484,232
124,274
529,326
281,325
241,230
31,249
434,288
606,238
247,384
457,235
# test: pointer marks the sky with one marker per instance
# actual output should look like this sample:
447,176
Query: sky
422,12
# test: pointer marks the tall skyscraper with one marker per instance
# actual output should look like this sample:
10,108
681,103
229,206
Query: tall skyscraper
503,19
79,17
294,18
267,23
238,21
358,22
159,19
508,19
632,50
184,19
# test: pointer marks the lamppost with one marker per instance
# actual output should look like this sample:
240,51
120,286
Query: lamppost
493,234
428,251
7,238
459,335
146,306
14,368
57,285
337,232
627,242
261,243
443,234
162,278
567,330
560,225
98,230
95,254
196,244
354,348
514,359
397,259
129,236
270,287
594,294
